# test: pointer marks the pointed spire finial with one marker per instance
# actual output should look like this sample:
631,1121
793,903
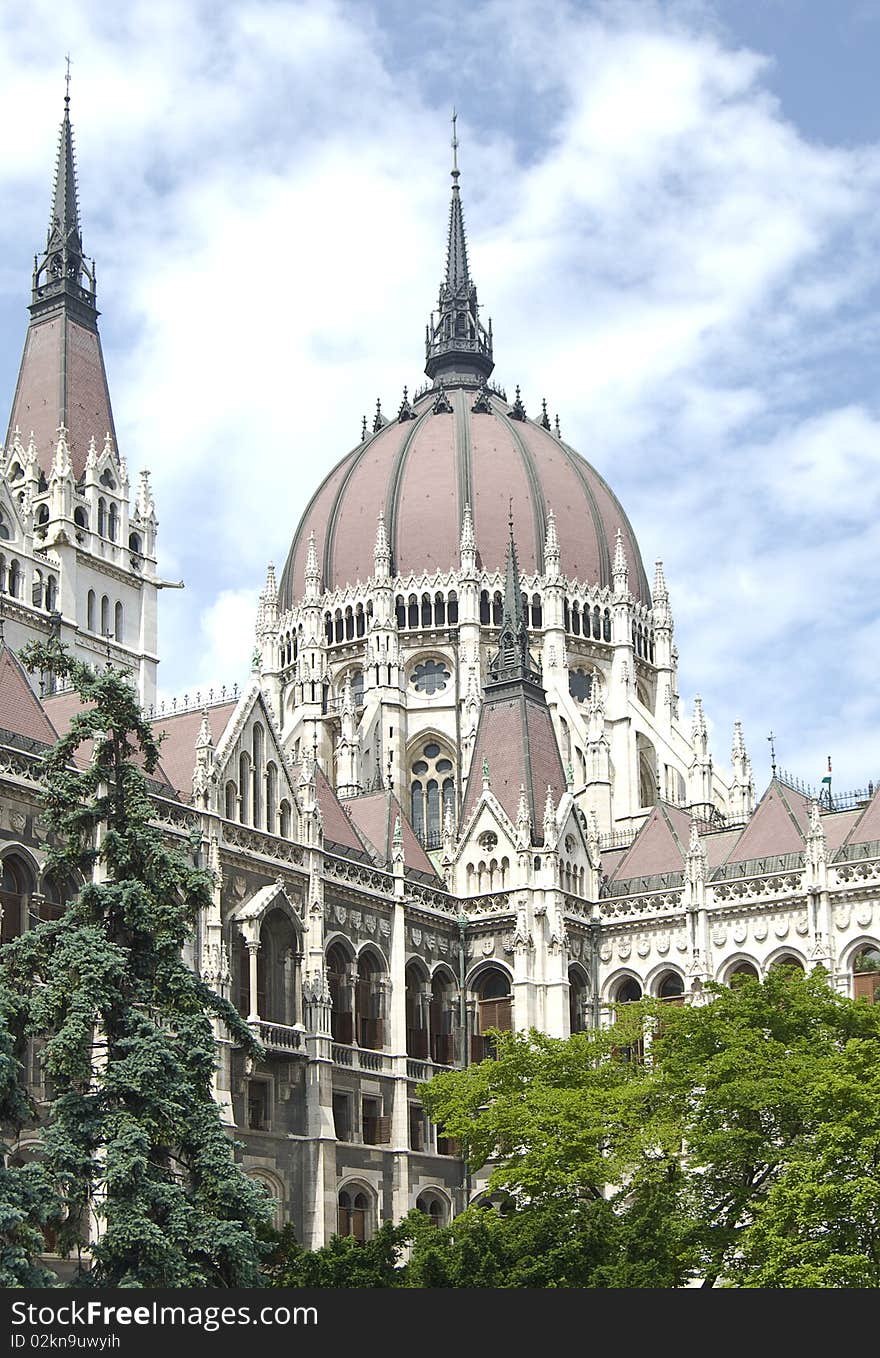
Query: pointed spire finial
619,567
363,429
457,343
312,573
545,418
558,430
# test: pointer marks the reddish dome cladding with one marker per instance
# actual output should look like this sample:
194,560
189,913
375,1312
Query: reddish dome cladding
423,472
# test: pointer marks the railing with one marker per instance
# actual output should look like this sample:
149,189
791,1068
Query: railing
260,842
828,800
362,1058
277,1037
423,1070
192,702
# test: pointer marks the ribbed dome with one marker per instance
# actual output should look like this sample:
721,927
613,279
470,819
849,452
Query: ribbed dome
423,471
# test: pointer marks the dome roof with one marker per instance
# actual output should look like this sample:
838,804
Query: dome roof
422,472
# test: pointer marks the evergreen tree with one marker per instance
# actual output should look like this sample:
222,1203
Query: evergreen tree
134,1141
27,1201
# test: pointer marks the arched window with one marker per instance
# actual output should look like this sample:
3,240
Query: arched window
494,1010
427,612
118,622
484,607
628,991
105,616
5,530
349,624
606,625
51,594
597,624
328,627
418,1002
357,688
417,808
369,1002
56,893
452,606
743,971
272,797
412,611
340,983
439,611
566,615
432,788
231,797
2,573
789,962
113,523
244,787
671,988
15,580
576,618
430,676
537,613
352,1216
444,1017
258,745
433,1206
37,590
866,974
359,620
90,611
400,610
497,609
14,885
338,625
284,819
134,542
578,1000
102,517
579,684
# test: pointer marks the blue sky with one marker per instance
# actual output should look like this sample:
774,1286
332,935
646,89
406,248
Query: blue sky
674,219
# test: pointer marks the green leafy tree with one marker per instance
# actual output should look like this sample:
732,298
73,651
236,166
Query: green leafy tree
133,1139
743,1075
343,1262
819,1224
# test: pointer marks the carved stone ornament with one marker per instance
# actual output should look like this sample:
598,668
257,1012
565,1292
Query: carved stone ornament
780,928
740,932
624,948
842,917
355,918
239,885
802,928
488,947
663,944
385,927
760,930
508,943
340,914
17,821
416,936
643,947
605,952
488,839
370,923
864,915
719,936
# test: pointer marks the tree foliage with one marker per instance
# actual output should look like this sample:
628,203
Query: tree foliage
133,1140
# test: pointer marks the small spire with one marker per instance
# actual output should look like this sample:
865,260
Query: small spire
545,418
146,506
205,740
512,661
442,405
739,744
696,854
699,730
312,573
379,420
381,550
468,542
660,593
481,405
551,547
619,568
557,428
523,820
363,429
517,410
549,818
397,841
486,782
406,411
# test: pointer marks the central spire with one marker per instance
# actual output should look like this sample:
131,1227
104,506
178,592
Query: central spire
62,272
458,349
512,661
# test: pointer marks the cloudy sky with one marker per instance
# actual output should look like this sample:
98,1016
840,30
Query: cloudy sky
674,220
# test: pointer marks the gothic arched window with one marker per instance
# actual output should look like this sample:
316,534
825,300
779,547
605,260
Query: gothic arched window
118,622
90,611
113,523
102,516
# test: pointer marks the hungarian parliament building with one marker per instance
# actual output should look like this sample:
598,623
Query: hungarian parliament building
457,792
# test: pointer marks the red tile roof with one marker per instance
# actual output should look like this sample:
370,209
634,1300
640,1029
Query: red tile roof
374,815
515,735
178,749
867,827
20,709
659,847
778,826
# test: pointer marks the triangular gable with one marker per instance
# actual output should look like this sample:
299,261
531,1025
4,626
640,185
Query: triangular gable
779,826
867,828
659,847
21,712
12,513
181,730
256,906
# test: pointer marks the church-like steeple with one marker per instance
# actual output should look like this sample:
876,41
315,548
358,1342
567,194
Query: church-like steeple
62,270
458,347
62,380
512,662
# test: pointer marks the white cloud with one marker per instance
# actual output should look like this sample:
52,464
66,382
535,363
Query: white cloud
683,275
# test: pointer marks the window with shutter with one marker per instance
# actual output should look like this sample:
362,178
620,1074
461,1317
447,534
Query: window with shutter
383,1130
866,984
